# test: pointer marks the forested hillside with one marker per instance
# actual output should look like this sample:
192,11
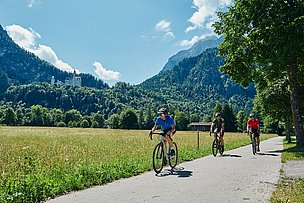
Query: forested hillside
18,66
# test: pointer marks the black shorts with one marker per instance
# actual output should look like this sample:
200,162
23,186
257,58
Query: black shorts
255,132
218,131
165,131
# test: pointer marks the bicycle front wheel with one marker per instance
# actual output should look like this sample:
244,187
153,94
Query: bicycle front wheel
214,147
254,146
173,157
158,158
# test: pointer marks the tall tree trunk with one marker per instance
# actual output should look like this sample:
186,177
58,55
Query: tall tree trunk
287,126
295,105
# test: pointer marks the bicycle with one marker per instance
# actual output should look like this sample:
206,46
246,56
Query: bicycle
160,155
253,141
216,146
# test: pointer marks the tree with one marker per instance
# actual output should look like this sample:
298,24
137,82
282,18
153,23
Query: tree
141,121
99,119
114,121
241,120
9,116
217,109
149,118
264,41
95,124
181,121
194,118
230,120
84,124
129,119
72,115
19,116
38,115
57,116
273,101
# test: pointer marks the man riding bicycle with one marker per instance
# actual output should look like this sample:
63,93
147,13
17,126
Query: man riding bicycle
253,126
218,126
168,127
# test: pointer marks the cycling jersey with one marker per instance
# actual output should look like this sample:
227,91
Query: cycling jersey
165,124
218,123
253,123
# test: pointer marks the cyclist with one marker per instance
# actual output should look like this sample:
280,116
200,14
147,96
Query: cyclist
253,126
218,126
168,127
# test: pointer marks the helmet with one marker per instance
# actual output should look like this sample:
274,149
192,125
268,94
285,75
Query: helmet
163,111
252,115
217,114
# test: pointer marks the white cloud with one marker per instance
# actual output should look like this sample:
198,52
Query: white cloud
205,13
168,36
104,74
165,27
26,38
187,43
32,2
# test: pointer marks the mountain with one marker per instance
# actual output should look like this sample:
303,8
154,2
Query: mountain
195,50
18,66
198,80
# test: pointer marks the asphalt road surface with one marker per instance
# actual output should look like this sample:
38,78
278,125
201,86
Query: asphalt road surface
237,176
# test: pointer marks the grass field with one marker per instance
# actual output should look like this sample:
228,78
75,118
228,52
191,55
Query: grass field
288,189
38,163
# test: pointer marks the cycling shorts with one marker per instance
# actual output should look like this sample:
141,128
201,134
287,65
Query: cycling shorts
165,131
255,131
218,130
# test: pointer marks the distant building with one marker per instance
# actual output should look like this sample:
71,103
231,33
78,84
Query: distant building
75,81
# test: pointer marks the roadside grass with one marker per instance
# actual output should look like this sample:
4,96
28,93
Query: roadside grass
291,152
289,189
38,163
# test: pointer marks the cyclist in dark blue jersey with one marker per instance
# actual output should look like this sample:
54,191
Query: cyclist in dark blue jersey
168,127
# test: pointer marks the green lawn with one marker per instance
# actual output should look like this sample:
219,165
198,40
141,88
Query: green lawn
288,189
38,163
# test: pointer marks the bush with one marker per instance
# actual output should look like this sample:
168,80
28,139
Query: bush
94,124
70,124
61,124
84,124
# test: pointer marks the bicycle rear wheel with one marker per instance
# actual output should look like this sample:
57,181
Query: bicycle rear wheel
254,149
158,158
173,158
214,147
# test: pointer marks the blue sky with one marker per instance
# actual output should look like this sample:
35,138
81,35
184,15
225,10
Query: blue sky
126,40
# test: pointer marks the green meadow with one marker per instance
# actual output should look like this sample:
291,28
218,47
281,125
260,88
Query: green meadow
39,163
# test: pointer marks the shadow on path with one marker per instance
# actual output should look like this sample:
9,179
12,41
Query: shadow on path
231,155
266,154
179,172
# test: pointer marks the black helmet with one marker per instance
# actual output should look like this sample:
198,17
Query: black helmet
163,111
217,114
252,115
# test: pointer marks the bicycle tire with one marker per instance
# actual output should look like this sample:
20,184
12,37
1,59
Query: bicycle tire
254,145
173,160
158,158
221,149
214,147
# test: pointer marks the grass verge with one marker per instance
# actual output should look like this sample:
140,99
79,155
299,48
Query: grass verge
40,163
289,189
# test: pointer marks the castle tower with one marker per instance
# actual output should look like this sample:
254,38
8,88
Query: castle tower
52,80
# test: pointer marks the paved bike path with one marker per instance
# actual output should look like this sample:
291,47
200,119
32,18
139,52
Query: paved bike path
238,176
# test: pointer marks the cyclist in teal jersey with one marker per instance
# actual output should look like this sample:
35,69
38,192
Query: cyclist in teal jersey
168,127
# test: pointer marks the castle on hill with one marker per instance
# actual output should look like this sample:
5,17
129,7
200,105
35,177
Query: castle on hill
75,81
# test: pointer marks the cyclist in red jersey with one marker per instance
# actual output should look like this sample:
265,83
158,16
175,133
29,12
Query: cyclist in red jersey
253,126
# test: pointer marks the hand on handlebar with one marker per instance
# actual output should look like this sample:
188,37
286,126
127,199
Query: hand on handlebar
150,134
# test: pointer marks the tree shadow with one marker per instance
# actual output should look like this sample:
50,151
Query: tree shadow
179,172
